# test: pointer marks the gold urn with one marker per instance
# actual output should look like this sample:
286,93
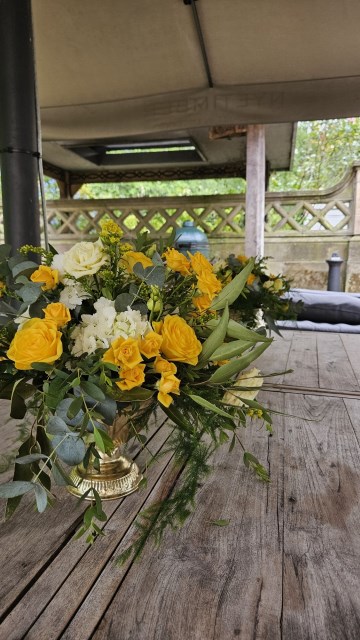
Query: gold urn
118,475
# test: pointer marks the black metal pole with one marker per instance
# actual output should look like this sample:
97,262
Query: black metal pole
18,125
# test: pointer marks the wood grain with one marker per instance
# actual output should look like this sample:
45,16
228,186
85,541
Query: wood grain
335,370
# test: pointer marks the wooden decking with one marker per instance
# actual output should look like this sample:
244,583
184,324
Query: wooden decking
286,567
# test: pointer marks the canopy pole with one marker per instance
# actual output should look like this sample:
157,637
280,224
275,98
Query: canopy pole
255,190
18,125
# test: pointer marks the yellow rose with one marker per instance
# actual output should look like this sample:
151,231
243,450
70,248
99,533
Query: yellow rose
202,303
164,366
57,312
208,283
47,275
84,259
131,378
251,279
247,379
157,326
38,340
124,352
199,263
179,341
150,345
278,284
167,384
176,261
131,258
242,259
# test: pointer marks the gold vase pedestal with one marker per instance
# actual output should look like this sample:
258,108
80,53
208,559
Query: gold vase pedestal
118,475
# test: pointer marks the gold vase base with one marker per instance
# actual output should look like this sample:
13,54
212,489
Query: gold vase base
118,476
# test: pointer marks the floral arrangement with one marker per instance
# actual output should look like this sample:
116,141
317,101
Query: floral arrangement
264,297
108,328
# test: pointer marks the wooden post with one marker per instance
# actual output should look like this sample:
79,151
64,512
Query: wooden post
255,191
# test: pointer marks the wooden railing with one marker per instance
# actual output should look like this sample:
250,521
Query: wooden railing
330,211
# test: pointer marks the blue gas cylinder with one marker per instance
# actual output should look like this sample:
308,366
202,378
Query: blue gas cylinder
189,238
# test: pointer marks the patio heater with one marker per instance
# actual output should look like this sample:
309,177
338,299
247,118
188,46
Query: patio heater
19,149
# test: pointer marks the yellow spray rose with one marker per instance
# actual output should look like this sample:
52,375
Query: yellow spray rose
208,283
131,258
176,261
57,312
179,340
251,279
164,366
131,378
199,263
167,384
38,340
202,303
150,345
47,275
124,352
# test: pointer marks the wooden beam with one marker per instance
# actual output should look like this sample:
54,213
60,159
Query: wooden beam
255,191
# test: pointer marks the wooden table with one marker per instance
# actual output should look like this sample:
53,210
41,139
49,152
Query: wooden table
287,566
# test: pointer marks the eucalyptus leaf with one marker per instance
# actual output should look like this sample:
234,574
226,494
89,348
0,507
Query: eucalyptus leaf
227,371
62,412
70,449
30,292
232,290
93,391
32,457
15,488
41,497
140,394
56,426
23,266
60,476
123,301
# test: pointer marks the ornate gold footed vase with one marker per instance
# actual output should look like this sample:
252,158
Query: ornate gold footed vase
118,476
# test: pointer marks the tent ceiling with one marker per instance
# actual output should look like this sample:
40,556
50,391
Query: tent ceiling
115,70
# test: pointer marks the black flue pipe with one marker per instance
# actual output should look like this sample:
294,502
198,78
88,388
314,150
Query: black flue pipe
18,125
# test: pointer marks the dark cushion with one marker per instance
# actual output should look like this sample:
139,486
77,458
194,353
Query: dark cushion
331,307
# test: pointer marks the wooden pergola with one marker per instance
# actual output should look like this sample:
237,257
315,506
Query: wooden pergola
214,87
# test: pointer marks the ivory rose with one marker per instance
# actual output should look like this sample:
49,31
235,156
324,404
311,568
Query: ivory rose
124,353
179,341
83,259
176,261
47,275
131,378
247,379
57,312
38,340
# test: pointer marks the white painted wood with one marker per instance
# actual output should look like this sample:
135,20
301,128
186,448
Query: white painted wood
255,191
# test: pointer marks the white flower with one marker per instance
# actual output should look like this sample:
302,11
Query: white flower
83,259
247,379
219,264
73,294
25,316
102,327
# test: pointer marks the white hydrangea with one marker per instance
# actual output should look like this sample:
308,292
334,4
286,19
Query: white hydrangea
73,293
101,328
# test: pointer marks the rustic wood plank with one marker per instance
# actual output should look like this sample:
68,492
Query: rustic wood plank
204,581
50,531
351,344
275,358
303,360
335,370
46,608
321,522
